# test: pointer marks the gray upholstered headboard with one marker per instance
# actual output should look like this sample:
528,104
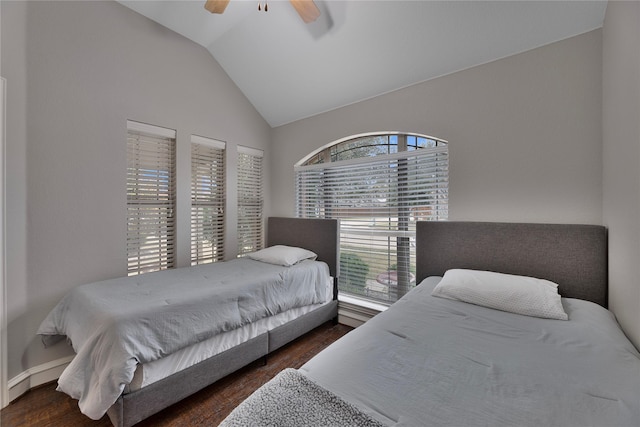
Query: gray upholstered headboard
573,256
317,235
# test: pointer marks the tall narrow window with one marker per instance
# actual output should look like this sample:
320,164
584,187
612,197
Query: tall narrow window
207,200
378,185
250,200
151,198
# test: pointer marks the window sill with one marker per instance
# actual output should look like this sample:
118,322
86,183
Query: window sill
361,302
353,311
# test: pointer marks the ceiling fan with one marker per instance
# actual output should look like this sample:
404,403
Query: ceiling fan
307,9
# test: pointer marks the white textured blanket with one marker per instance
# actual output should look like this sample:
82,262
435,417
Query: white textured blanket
293,400
115,324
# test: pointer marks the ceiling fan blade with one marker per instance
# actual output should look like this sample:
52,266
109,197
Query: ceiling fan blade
216,6
307,10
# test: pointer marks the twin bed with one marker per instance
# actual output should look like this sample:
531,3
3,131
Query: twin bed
441,361
145,342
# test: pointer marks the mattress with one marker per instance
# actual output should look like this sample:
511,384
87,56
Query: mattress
438,362
148,373
116,324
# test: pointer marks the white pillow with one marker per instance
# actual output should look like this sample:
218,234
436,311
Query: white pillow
282,255
506,292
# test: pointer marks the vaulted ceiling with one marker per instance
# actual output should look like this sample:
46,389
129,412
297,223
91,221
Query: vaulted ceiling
356,50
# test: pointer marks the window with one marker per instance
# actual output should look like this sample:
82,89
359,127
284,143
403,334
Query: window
378,185
250,200
207,200
151,198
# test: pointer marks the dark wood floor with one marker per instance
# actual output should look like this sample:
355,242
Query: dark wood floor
43,406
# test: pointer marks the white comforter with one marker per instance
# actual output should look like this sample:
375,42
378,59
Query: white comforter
115,324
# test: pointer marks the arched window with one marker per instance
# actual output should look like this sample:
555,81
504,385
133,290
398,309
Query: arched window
378,185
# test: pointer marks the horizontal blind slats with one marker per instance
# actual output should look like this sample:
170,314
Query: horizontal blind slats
150,199
378,199
207,200
250,201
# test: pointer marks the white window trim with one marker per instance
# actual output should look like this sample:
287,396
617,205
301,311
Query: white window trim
151,129
362,160
210,142
250,151
363,135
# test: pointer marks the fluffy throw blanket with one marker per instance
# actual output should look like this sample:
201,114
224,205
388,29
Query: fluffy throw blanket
293,400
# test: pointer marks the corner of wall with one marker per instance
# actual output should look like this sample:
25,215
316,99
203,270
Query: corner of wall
621,160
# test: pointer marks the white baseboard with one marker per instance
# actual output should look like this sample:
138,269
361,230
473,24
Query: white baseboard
38,375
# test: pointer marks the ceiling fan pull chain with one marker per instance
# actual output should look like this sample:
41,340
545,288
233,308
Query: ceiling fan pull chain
266,6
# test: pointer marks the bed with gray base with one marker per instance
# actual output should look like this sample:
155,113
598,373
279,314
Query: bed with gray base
435,361
317,235
148,341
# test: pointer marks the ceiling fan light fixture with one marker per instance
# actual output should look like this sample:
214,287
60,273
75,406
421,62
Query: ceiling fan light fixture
307,9
216,6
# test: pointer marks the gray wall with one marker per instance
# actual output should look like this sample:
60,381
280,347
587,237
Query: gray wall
621,160
76,71
524,134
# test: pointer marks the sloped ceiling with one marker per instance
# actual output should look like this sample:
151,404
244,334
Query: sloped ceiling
360,49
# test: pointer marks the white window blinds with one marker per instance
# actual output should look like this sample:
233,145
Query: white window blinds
207,200
150,198
378,201
250,200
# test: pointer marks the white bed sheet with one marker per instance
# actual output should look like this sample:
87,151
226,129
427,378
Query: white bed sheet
157,370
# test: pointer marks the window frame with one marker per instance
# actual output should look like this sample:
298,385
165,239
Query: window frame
427,198
151,198
208,199
250,204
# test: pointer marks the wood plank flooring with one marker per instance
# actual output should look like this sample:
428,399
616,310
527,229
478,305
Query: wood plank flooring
43,406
